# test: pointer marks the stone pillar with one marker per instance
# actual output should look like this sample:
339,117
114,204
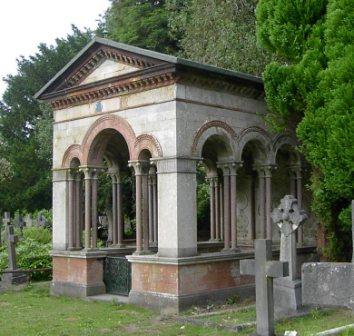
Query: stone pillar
212,208
227,208
268,201
60,209
151,207
145,209
154,194
94,208
221,220
114,208
120,221
353,229
177,213
233,204
78,210
88,180
217,209
71,205
138,203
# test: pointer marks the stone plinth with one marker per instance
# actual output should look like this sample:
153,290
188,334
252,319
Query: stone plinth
174,284
327,284
78,273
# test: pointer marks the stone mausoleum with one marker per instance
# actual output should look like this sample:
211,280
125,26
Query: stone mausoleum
125,111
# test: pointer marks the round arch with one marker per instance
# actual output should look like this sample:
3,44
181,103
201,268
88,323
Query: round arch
253,134
209,129
72,152
280,141
110,122
147,142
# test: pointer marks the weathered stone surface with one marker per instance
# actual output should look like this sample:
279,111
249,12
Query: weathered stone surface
327,284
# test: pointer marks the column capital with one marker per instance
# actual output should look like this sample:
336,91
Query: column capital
296,170
266,169
90,173
229,168
139,166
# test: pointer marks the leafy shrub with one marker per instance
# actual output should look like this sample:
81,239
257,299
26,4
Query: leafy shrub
32,252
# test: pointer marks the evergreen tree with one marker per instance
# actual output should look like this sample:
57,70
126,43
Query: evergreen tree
313,88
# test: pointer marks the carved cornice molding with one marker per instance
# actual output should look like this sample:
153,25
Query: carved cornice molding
222,85
112,89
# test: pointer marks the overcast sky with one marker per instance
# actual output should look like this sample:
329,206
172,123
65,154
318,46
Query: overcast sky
26,23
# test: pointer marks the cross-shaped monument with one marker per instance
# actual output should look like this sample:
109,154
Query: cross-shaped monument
12,276
264,270
287,291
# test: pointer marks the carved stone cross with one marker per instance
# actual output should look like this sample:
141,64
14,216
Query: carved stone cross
264,270
12,239
288,217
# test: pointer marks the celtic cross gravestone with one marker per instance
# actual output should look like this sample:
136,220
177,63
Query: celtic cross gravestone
287,291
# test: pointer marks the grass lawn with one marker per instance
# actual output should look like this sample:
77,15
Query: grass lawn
33,312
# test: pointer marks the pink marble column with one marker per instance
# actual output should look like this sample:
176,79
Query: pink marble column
145,211
151,206
114,208
212,208
154,193
268,201
233,204
119,216
227,212
217,208
138,203
87,172
78,211
221,218
94,183
71,217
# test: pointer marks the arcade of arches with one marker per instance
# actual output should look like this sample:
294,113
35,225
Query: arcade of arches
177,157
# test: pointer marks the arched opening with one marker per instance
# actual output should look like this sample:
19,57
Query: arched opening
216,150
250,193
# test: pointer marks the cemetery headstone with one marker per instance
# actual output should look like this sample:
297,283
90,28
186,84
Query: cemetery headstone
287,291
12,275
42,222
264,270
21,224
28,221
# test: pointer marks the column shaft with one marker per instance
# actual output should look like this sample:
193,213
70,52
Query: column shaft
217,209
151,210
138,213
212,209
154,192
94,211
120,222
226,209
71,231
78,212
145,214
233,205
221,199
87,209
114,211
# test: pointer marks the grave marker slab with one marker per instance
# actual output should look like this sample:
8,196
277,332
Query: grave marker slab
264,269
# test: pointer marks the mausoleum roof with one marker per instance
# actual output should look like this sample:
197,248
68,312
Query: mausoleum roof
140,63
